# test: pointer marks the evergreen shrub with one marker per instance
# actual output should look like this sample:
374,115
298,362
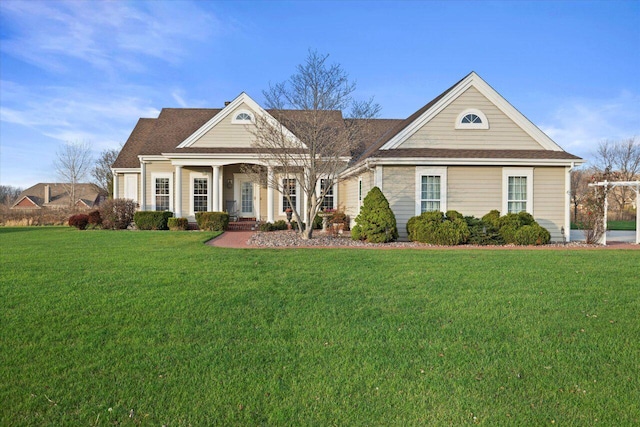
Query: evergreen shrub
152,220
438,229
376,221
212,221
532,234
482,233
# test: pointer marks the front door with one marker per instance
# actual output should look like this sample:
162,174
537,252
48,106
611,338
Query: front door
245,196
246,199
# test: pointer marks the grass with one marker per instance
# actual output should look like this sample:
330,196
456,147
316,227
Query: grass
612,225
621,225
95,324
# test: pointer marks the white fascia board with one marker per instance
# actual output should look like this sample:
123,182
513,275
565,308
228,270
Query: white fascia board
224,113
483,87
151,158
525,124
125,170
473,162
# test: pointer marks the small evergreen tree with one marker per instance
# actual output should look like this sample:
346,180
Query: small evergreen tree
376,222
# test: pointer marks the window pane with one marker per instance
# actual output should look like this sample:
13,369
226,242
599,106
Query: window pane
517,197
289,187
162,194
327,202
430,193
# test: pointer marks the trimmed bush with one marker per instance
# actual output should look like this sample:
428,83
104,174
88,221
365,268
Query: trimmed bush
117,214
532,234
482,233
317,222
152,220
376,219
278,225
178,224
79,221
437,229
94,218
212,221
492,218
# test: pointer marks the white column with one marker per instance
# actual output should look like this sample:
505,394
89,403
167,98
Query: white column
378,178
221,205
216,188
567,204
270,194
178,192
115,185
143,186
637,188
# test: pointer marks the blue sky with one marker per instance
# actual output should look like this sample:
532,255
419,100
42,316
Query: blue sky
86,71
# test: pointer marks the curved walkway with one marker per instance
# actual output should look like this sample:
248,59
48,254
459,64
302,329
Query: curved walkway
239,240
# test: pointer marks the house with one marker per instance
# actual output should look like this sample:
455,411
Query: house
468,150
57,196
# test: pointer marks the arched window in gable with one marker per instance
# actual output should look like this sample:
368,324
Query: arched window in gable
472,119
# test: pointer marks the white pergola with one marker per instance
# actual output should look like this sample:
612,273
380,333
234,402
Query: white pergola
635,185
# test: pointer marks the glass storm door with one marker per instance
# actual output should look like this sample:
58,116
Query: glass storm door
246,199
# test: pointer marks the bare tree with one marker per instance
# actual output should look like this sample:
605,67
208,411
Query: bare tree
101,172
310,140
580,179
9,194
621,160
72,163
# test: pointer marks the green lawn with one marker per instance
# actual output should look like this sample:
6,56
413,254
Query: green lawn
97,323
621,225
612,225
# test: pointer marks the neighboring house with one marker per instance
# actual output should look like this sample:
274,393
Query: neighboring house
56,196
468,150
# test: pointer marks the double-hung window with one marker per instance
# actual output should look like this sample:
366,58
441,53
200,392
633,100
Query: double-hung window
200,194
162,192
289,188
328,201
517,190
430,193
431,189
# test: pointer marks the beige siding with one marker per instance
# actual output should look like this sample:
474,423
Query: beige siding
549,199
227,134
348,197
440,132
398,186
120,184
474,190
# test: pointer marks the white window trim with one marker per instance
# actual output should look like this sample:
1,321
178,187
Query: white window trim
234,120
154,176
483,125
281,195
192,176
508,172
430,171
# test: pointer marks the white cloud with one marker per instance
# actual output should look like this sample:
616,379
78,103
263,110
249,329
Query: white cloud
67,114
109,35
578,125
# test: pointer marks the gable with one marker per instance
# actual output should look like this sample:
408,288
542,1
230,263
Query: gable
440,132
26,203
228,132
